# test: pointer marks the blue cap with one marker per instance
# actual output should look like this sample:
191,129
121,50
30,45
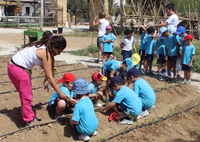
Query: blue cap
115,80
80,86
180,30
132,72
161,31
129,64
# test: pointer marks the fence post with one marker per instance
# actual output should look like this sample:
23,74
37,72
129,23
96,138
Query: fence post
17,20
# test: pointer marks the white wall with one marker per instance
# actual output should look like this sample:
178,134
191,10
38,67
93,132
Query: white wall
118,2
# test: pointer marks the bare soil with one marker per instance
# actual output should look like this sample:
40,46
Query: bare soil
171,98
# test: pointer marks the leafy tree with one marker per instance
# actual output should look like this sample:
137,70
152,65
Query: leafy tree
80,8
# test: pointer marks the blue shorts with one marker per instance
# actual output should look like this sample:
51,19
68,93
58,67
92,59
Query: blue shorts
99,41
186,68
161,59
172,59
121,107
142,54
126,54
107,73
149,57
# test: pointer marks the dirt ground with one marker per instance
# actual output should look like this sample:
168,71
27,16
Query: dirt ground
171,99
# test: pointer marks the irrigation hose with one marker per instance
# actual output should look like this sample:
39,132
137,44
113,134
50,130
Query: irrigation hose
150,123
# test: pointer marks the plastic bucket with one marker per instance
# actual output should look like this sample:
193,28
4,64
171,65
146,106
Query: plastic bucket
60,30
32,38
55,31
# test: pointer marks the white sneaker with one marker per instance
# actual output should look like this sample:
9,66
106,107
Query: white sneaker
95,133
97,104
83,137
183,82
188,82
150,108
125,122
143,114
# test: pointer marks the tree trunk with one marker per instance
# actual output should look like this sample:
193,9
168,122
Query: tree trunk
106,9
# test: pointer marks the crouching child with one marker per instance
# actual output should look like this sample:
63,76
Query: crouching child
83,119
126,102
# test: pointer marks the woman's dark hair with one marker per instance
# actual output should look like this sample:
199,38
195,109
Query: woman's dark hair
50,41
102,15
170,6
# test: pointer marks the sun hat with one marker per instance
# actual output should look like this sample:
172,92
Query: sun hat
98,76
150,30
115,80
171,29
108,27
161,31
180,30
129,64
80,86
67,77
135,58
188,36
132,72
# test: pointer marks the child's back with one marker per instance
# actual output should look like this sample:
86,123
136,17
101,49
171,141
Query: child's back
85,115
171,45
149,41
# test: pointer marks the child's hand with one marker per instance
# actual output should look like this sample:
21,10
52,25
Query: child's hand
122,45
190,64
72,101
166,58
101,110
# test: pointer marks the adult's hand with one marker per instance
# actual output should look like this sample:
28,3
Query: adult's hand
72,101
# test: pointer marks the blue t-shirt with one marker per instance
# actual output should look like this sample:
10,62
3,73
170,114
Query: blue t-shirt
128,97
111,65
143,45
108,46
171,45
63,89
179,39
160,46
188,51
145,93
92,88
150,44
85,116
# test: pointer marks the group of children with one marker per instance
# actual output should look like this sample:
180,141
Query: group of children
173,48
127,103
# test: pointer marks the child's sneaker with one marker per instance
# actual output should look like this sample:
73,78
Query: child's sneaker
143,114
160,78
141,72
83,137
57,116
165,73
125,122
149,109
97,104
188,82
95,133
183,82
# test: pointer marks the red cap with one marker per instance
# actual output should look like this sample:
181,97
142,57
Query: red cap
98,76
67,77
189,36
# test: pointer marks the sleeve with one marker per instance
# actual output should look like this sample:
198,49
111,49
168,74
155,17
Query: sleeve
72,94
90,88
193,51
103,38
76,114
136,89
118,98
113,37
169,20
133,39
65,91
114,66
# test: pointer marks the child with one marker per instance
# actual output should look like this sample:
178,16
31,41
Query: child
109,70
188,53
149,40
171,53
95,92
143,90
142,50
160,47
83,118
107,41
127,44
180,34
125,101
56,102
